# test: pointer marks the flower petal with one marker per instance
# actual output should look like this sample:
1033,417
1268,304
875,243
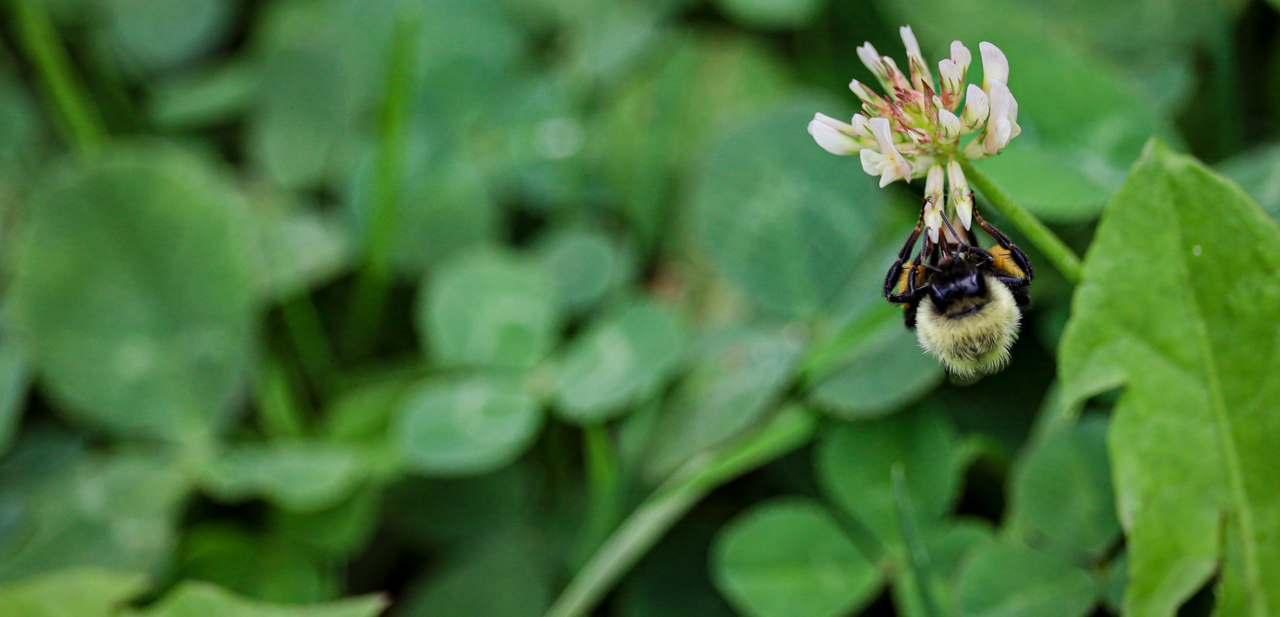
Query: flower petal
994,65
831,139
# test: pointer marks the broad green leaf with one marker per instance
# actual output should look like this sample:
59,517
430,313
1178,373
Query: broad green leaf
257,566
294,129
301,249
585,266
465,426
117,512
1258,173
853,463
776,14
783,219
74,592
194,599
134,292
488,309
884,371
789,558
1062,492
300,476
620,361
15,378
1180,304
503,577
158,34
659,123
1014,581
735,378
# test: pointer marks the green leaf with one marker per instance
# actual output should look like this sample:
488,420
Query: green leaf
158,34
1015,581
883,371
363,413
585,266
261,567
738,375
1062,492
300,250
778,14
504,577
786,221
1186,319
297,475
467,426
299,119
789,558
20,125
204,98
488,309
194,599
134,293
116,512
74,592
853,464
658,123
619,362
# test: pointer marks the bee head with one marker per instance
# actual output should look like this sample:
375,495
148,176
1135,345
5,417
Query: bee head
957,278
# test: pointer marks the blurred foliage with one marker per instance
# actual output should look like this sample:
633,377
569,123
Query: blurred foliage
341,308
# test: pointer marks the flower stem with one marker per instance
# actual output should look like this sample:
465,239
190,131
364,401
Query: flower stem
77,115
1063,258
370,296
790,429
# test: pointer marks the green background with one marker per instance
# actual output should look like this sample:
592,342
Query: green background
507,308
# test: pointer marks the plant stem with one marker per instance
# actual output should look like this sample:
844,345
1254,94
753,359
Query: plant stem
365,318
917,553
1063,258
790,429
277,405
306,330
601,463
77,115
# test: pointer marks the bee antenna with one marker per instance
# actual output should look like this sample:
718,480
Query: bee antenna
947,221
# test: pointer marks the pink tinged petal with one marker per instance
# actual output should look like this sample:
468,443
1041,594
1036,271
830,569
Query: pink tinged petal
864,94
961,198
995,66
933,219
896,77
831,139
961,56
935,184
951,81
976,109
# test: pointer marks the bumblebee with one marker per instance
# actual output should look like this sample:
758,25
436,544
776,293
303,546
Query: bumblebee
962,301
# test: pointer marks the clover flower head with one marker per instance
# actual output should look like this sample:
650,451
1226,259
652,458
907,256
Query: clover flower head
916,127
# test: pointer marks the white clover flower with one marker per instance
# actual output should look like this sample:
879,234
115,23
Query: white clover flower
916,128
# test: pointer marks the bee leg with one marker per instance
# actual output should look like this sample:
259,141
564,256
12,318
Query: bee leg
1016,253
895,271
909,315
1021,296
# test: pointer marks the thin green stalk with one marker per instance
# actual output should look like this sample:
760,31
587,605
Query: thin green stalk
77,115
306,330
917,553
1063,258
603,509
278,409
380,239
790,429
